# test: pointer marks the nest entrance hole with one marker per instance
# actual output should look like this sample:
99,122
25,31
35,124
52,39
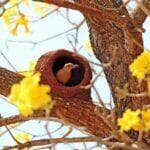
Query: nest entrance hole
77,74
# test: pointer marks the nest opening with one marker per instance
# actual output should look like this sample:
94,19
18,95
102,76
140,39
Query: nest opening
77,74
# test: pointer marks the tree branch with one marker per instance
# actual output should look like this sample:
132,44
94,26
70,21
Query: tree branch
79,113
107,37
74,140
102,12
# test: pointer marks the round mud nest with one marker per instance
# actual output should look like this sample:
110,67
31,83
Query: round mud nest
50,63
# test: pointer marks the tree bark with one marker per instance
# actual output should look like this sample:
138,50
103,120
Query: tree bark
108,39
126,44
76,112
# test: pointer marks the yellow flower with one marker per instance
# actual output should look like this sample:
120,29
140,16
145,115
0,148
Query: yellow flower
23,137
146,119
32,65
137,120
141,66
129,120
29,95
87,45
14,31
42,8
13,1
25,110
9,15
28,73
22,21
14,19
26,2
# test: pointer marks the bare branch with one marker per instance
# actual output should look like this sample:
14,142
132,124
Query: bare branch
74,140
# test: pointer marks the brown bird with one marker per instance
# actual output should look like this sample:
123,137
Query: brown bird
63,75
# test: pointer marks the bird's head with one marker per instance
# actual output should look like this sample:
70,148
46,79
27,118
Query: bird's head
70,66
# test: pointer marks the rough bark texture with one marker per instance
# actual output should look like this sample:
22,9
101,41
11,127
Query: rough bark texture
125,44
77,112
7,79
107,38
51,62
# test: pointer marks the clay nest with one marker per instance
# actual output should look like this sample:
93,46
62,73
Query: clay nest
49,63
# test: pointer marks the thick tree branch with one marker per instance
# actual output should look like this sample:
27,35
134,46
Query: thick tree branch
72,111
7,78
101,12
107,37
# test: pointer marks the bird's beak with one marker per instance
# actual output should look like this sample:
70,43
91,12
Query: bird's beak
75,66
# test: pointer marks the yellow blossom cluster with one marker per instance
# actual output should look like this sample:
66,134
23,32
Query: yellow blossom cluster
141,66
15,20
137,120
29,95
22,137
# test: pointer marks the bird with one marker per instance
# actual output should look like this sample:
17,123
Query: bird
64,74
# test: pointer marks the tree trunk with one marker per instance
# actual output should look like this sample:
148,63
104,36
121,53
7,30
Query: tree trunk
120,46
109,41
